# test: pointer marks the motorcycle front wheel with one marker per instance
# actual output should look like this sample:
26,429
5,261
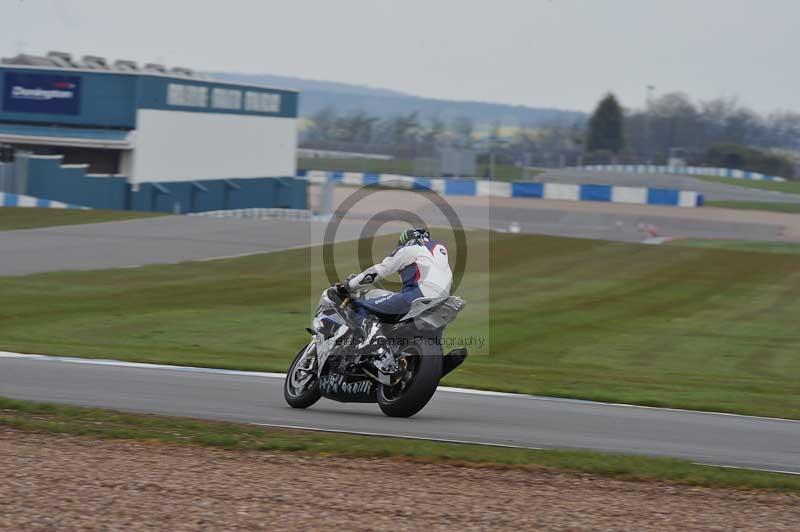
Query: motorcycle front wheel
301,386
422,368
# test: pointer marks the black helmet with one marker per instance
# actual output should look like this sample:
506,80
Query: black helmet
417,235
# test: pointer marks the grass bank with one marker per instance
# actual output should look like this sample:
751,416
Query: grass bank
62,419
791,208
758,246
12,218
790,187
674,326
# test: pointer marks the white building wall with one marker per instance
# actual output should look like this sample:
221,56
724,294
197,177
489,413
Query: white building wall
188,146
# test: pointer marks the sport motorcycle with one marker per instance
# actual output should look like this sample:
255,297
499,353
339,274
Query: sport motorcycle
395,361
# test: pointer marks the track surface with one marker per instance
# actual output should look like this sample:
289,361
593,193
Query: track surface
167,239
502,419
172,239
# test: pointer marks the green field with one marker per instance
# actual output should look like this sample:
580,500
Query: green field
655,325
789,208
791,187
62,419
760,246
30,217
503,172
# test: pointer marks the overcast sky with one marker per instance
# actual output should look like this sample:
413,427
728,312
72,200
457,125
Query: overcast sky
551,53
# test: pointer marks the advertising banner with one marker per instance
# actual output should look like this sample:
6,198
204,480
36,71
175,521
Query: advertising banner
41,93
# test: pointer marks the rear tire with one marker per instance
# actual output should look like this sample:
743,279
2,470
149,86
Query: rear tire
407,398
301,387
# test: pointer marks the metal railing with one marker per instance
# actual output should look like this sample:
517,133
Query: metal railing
259,213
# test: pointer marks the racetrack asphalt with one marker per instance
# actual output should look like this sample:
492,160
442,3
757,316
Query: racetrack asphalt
452,415
172,239
167,239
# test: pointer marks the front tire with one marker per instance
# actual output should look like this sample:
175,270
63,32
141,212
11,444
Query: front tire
301,386
418,383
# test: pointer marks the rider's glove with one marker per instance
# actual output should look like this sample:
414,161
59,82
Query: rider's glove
341,290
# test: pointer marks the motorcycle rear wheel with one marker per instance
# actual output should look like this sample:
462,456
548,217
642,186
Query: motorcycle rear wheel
416,385
301,386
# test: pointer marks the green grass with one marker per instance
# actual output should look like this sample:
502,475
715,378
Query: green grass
30,217
671,326
62,419
791,187
760,246
791,208
503,172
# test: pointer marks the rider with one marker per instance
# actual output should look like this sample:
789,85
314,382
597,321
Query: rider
423,267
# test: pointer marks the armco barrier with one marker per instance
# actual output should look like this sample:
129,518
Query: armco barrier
20,200
682,170
501,189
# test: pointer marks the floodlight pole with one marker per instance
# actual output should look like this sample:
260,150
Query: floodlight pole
648,99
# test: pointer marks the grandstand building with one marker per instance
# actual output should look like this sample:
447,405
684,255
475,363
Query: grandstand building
120,136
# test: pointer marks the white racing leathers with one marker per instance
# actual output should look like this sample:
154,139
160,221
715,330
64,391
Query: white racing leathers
425,272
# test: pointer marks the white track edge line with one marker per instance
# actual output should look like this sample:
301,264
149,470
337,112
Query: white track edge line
401,436
447,389
743,468
140,365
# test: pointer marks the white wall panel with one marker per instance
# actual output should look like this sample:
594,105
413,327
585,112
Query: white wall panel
558,191
397,181
629,195
687,198
353,178
184,146
500,189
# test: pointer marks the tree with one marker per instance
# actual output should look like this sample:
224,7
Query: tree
403,129
357,127
746,158
605,126
463,129
323,125
433,135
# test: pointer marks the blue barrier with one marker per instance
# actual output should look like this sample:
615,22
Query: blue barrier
558,191
460,187
8,199
422,183
662,196
527,190
595,193
371,179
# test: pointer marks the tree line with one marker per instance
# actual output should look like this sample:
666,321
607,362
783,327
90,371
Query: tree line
718,132
411,135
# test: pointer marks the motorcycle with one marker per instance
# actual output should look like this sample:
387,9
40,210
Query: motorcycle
396,362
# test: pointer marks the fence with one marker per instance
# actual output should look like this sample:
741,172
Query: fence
292,215
685,170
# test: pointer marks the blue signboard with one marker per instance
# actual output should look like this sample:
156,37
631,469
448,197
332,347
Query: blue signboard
42,93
